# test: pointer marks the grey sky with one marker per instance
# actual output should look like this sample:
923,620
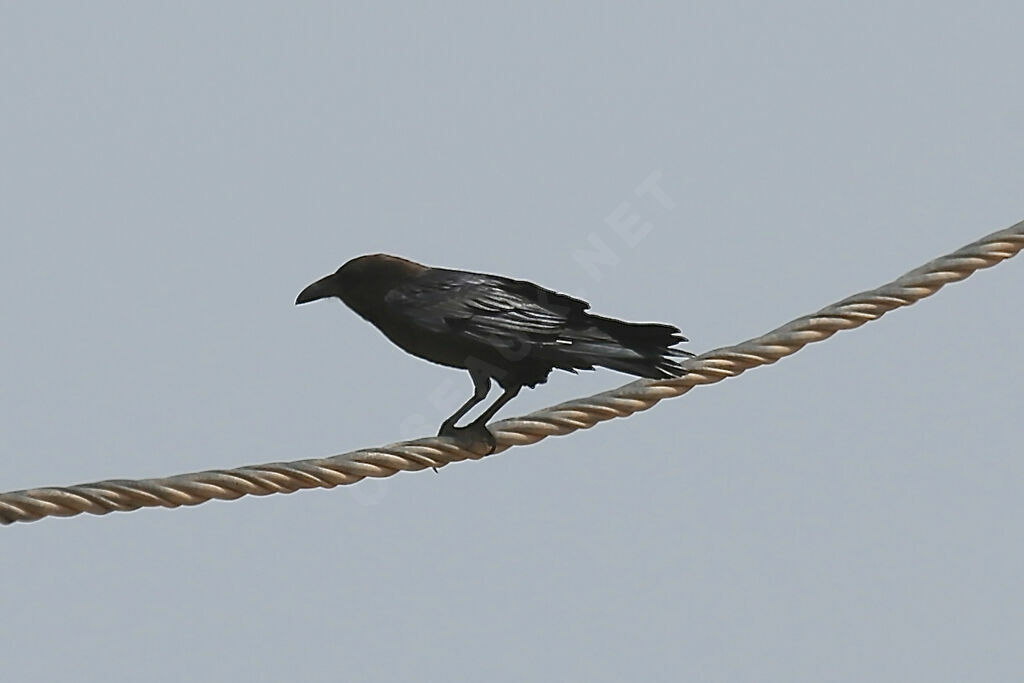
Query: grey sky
174,173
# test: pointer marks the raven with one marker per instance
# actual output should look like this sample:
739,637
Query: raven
510,331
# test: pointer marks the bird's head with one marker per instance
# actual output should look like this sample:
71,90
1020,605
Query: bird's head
362,278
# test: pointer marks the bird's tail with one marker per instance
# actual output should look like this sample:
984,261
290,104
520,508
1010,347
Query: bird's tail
641,349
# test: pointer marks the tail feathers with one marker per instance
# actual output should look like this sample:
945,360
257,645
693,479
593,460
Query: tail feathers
641,349
652,342
658,334
664,366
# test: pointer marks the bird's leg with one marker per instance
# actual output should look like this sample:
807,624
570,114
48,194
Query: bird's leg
476,432
481,385
510,393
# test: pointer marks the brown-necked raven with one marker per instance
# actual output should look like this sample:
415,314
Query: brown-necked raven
511,331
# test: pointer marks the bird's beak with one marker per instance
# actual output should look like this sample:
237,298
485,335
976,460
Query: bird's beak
321,289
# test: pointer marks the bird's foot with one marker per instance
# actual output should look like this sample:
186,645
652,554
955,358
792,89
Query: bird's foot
475,436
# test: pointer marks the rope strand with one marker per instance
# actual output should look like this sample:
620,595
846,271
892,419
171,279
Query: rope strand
126,495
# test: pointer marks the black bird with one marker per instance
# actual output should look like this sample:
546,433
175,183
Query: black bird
511,331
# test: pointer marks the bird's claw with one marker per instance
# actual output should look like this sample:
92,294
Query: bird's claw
472,436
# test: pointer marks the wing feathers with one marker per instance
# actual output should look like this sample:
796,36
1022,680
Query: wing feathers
556,328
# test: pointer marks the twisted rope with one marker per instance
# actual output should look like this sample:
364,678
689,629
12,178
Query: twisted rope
103,497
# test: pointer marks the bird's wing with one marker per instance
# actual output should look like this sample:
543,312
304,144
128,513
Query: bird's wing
490,309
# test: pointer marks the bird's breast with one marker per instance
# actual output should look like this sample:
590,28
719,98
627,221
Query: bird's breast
443,349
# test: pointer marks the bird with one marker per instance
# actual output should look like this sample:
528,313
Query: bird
509,331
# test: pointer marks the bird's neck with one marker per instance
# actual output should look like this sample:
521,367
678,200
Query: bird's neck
364,303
